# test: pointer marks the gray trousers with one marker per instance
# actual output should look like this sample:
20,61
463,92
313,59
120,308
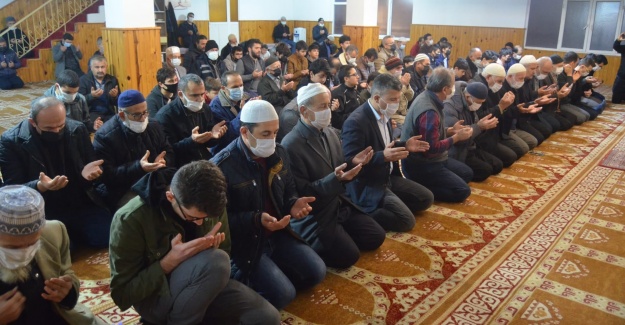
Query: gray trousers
526,139
580,115
201,292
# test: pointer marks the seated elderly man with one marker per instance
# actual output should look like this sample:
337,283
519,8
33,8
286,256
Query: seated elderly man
8,68
54,155
350,56
100,89
164,92
388,49
37,284
446,177
461,107
547,82
338,229
131,146
169,255
494,142
66,90
379,189
418,73
266,253
173,61
273,87
189,124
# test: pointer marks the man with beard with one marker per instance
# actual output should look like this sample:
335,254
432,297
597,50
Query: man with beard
37,284
100,89
253,66
194,53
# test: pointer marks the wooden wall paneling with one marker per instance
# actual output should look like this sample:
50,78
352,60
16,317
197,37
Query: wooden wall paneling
234,10
202,27
309,25
263,29
19,9
364,37
133,56
86,36
217,11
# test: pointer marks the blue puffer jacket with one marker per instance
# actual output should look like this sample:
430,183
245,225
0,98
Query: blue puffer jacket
9,56
246,200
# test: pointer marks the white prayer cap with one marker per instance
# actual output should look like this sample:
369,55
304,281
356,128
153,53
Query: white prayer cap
258,111
21,210
309,91
420,57
516,68
494,69
528,59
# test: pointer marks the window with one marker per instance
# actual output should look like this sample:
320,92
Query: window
578,25
340,16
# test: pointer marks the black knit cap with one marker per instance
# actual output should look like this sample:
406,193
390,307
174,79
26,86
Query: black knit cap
555,59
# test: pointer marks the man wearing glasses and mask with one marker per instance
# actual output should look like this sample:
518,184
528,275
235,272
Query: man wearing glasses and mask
169,252
131,146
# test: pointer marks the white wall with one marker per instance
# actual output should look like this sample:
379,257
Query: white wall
123,13
481,13
292,10
199,8
6,2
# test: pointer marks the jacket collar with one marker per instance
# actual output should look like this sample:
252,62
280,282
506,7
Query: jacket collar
374,123
271,160
313,139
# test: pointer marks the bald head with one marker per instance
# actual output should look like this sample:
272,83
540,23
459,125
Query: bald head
47,114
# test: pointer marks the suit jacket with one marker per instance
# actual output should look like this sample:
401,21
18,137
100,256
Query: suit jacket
54,261
360,130
313,171
270,91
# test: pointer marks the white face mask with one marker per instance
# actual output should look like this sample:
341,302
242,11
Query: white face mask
190,19
430,42
321,24
391,109
371,64
264,147
14,258
12,27
453,91
322,119
495,88
478,63
64,97
516,84
541,76
176,62
193,106
265,56
559,70
596,68
397,73
283,23
136,127
585,74
236,93
474,106
212,55
352,61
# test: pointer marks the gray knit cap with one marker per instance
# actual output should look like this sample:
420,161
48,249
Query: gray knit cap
21,210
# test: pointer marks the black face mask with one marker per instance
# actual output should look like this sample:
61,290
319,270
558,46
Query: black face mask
284,59
393,48
277,72
426,69
448,52
173,88
48,136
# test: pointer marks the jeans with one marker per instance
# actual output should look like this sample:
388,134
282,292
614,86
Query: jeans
201,292
89,225
287,265
354,231
447,179
289,43
11,82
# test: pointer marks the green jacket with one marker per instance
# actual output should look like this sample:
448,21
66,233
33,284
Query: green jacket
141,235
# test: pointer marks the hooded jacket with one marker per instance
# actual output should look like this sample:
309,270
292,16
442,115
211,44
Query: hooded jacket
78,110
156,101
141,234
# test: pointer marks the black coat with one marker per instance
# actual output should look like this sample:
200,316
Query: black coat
178,122
246,200
122,149
190,58
156,101
87,82
313,171
188,41
280,29
270,91
349,100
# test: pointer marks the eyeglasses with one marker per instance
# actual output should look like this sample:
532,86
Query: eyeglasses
184,215
138,116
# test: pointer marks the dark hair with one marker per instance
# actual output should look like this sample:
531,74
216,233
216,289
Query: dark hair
200,38
313,46
385,82
201,185
421,39
189,78
224,77
68,36
408,59
165,73
589,62
490,55
189,14
426,35
212,84
444,45
371,53
372,76
344,72
68,78
344,38
505,51
320,65
461,64
249,126
601,59
251,42
442,40
510,44
41,104
264,46
236,49
570,56
283,49
439,79
301,46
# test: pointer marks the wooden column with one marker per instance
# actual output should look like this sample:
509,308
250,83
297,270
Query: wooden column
134,56
365,37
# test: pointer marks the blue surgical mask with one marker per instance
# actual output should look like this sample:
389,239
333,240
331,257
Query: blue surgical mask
67,44
236,94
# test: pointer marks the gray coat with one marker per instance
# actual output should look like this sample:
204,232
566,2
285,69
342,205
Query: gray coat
456,109
78,110
59,58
